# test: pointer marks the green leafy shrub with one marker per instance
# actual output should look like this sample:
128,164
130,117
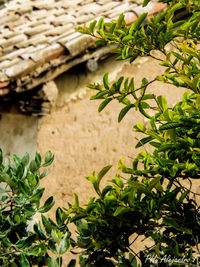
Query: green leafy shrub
157,201
24,242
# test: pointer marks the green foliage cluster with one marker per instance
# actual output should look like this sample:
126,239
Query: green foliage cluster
153,199
156,201
23,242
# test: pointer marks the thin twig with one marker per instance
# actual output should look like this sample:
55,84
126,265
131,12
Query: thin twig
134,252
134,240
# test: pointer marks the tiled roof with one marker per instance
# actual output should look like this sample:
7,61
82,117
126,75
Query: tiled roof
38,38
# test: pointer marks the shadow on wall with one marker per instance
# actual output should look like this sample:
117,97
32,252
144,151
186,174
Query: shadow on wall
18,134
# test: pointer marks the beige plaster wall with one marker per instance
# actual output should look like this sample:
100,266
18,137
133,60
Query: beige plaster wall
84,140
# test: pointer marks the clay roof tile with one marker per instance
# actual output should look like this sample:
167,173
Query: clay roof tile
38,38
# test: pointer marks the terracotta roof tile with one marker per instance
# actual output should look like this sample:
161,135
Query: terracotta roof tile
34,40
62,20
14,54
38,38
38,29
47,52
79,44
111,13
9,17
4,43
9,63
20,7
21,68
68,33
30,51
57,31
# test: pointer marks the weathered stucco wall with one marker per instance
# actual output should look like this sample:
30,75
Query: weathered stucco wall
18,134
84,140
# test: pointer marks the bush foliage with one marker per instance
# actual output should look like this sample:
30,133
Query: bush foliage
24,243
156,201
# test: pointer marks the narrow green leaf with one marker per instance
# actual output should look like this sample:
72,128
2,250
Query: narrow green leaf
39,231
120,21
100,42
104,104
153,182
144,105
77,217
19,171
44,174
33,166
37,196
38,159
6,178
140,127
176,6
170,125
103,172
59,213
125,51
16,159
33,180
120,211
49,158
171,222
92,26
105,81
47,205
100,95
47,224
76,200
91,178
142,111
144,141
24,261
25,159
26,242
184,195
127,38
155,144
163,103
106,189
23,188
56,234
100,24
179,56
143,86
139,186
189,51
124,111
148,96
135,26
